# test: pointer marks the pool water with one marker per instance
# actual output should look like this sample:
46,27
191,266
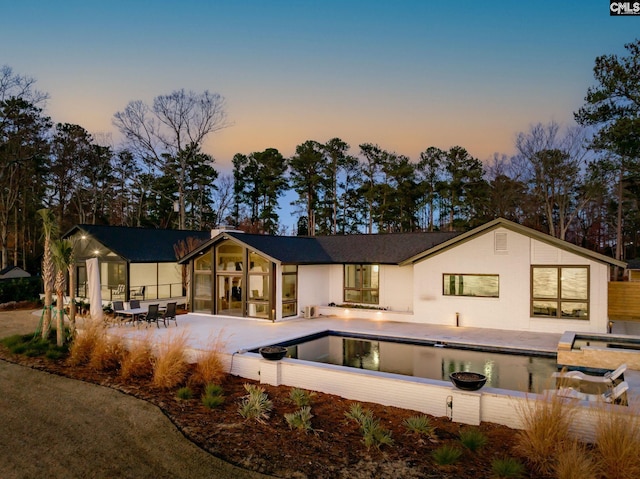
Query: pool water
504,368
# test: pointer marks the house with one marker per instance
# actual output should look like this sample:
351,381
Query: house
499,275
134,262
11,272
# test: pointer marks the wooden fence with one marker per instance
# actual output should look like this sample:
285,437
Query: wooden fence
624,301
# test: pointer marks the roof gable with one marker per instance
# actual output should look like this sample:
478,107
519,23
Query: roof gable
510,225
139,245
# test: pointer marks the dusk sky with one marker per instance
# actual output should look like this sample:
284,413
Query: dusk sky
403,74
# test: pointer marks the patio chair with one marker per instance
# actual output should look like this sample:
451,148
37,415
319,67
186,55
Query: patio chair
118,306
610,396
608,378
134,304
170,314
151,316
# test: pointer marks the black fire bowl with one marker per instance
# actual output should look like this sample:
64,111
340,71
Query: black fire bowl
273,353
468,381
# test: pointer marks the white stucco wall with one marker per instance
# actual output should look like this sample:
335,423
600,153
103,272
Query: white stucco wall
314,285
511,310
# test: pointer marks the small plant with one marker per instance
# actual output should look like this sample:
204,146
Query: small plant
301,397
473,439
213,390
256,404
213,396
420,425
184,393
446,454
574,462
373,433
301,419
357,413
170,367
212,402
507,468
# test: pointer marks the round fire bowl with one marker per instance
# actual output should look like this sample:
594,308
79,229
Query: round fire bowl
273,353
468,381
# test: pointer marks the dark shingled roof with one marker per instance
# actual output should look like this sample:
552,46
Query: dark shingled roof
378,248
139,245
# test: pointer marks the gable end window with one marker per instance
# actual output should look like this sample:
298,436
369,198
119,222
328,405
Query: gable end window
361,283
477,285
560,292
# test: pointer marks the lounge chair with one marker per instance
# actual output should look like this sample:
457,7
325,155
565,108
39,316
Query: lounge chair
608,378
610,396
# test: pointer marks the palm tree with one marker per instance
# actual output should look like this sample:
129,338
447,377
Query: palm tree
49,229
62,252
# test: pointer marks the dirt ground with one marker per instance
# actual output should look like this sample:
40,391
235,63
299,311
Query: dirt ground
107,427
52,426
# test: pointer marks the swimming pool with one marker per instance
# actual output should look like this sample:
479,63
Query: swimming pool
528,371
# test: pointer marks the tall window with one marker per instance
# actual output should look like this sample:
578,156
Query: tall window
560,291
289,290
361,283
480,285
202,287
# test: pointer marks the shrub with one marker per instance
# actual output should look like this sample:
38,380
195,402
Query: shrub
546,424
420,425
20,289
446,454
256,404
209,368
507,468
473,439
574,462
107,354
301,397
170,365
184,393
618,441
301,419
84,342
138,360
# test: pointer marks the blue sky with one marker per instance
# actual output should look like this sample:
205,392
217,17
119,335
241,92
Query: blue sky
403,74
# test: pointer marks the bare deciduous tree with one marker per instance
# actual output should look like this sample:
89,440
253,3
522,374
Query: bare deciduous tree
174,127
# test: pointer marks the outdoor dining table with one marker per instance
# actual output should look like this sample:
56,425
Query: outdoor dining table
134,313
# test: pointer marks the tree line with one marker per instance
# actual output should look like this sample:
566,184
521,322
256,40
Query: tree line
578,183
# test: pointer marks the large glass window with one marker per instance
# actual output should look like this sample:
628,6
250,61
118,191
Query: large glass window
560,291
361,283
289,290
259,293
229,279
202,284
480,285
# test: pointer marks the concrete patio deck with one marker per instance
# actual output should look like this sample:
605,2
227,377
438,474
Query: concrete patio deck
242,334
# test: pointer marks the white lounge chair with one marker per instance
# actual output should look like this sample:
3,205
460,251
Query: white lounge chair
609,396
609,377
